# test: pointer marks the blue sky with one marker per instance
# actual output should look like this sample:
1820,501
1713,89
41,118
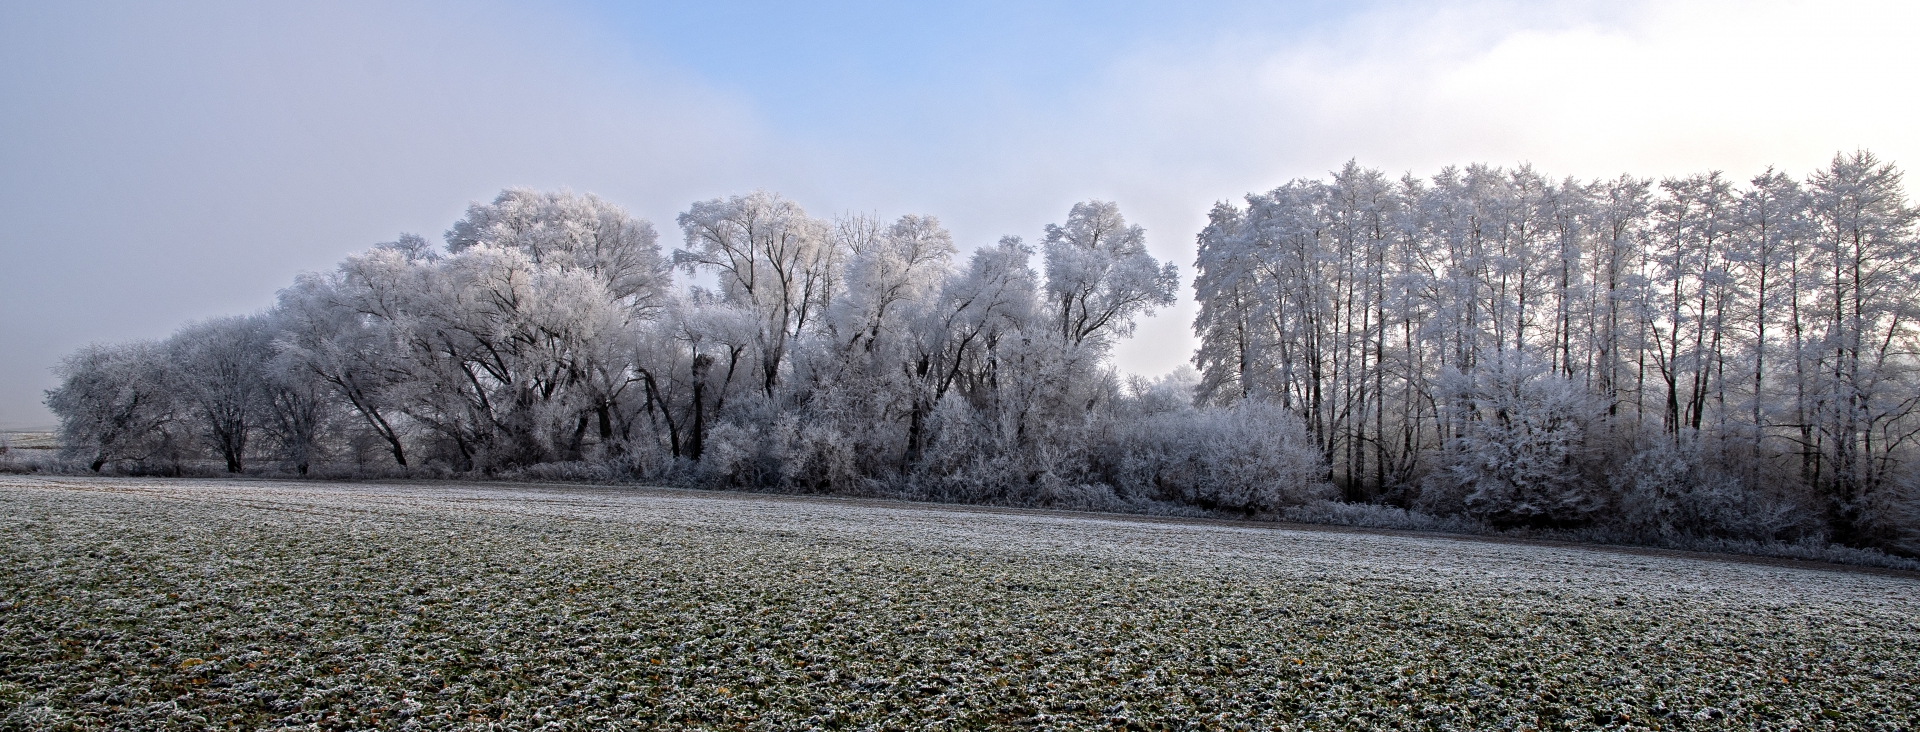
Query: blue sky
841,69
163,162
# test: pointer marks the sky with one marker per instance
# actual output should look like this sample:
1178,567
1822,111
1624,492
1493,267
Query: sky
166,162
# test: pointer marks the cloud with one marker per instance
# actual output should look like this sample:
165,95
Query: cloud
1649,89
1659,88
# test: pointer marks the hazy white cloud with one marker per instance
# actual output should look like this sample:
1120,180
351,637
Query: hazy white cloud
1654,89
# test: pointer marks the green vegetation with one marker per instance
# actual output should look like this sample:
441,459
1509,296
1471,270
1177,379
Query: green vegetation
133,604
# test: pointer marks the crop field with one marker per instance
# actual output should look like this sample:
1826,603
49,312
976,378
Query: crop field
196,604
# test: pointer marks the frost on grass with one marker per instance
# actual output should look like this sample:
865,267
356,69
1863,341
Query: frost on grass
175,604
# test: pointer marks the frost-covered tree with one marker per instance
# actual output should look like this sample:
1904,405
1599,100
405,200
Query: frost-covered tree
1617,230
860,371
1688,358
298,410
503,352
116,404
1773,231
770,259
1234,339
571,232
218,369
1770,323
340,329
955,341
889,275
1868,330
504,360
1694,227
1100,276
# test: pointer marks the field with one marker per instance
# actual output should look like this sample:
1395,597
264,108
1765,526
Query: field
133,604
29,440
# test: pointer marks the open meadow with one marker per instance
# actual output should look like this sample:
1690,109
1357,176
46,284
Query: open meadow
148,603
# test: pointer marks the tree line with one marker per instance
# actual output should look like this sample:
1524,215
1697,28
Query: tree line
854,355
1684,358
1690,355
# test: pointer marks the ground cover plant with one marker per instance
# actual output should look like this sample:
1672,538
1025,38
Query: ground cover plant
133,603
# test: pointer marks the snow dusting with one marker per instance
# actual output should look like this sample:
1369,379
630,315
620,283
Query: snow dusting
135,603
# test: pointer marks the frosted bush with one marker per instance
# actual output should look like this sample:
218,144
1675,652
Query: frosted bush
1895,513
567,472
1668,491
734,456
1366,515
820,457
1252,456
1520,457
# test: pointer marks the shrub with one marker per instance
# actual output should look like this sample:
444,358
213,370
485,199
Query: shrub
1253,457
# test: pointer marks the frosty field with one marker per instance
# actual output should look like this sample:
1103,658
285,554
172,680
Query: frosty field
128,603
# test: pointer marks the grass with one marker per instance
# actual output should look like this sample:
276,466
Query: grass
151,604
